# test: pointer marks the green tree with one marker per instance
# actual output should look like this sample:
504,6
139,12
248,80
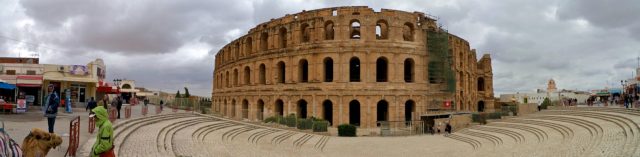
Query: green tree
186,93
546,102
178,94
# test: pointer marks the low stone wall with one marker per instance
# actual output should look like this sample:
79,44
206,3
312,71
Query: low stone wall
457,122
524,109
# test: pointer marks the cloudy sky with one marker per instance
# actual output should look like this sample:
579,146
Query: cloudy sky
169,44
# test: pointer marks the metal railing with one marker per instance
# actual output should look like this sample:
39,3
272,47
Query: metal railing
401,128
74,137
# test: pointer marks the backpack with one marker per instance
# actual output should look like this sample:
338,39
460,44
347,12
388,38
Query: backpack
8,147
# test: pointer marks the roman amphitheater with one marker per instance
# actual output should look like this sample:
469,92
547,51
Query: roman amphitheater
350,65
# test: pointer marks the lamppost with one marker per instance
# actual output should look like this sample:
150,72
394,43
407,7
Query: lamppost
624,83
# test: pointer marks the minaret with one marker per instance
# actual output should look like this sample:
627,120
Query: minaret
551,87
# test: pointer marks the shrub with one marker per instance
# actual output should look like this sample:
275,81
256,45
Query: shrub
290,120
479,118
347,130
273,119
494,115
320,126
304,124
545,103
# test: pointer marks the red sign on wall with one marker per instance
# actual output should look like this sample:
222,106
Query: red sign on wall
447,104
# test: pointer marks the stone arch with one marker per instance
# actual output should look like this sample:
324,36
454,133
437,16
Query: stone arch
262,73
354,31
327,111
245,109
264,41
382,30
278,108
354,112
302,108
236,49
304,70
408,32
281,74
260,109
409,70
409,109
248,45
328,69
232,114
481,84
247,75
354,69
328,30
235,77
382,69
282,37
305,35
481,106
225,108
382,111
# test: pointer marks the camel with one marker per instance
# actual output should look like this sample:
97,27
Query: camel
39,142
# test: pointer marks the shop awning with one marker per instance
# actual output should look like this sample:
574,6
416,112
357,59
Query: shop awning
107,89
7,86
29,81
73,79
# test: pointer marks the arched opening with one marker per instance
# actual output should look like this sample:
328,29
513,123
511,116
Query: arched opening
260,107
382,70
227,80
480,106
354,112
409,72
225,109
328,69
304,30
355,29
327,111
235,77
263,70
248,45
247,75
354,69
279,108
382,111
281,72
283,37
245,109
328,30
407,32
382,30
233,109
480,84
236,49
302,109
409,109
304,70
264,41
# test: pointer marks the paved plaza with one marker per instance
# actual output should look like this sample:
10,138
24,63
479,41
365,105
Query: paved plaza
582,131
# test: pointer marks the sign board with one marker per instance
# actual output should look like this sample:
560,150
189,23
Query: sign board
447,104
21,106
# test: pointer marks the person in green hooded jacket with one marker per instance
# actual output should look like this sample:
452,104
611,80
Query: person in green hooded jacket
104,138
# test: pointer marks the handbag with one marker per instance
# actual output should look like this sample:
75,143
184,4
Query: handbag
109,153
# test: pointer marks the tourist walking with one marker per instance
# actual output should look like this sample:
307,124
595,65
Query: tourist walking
52,101
119,106
161,103
104,139
91,105
447,128
145,101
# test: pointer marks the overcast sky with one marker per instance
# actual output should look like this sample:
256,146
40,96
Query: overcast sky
169,44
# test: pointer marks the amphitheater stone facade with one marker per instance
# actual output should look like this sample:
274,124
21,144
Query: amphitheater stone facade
346,65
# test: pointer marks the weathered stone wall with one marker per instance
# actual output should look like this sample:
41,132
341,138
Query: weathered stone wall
248,80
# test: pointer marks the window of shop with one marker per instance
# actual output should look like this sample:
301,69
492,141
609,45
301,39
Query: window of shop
78,93
31,72
11,72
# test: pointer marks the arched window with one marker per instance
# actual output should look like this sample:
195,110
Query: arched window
354,112
279,108
355,30
354,70
304,70
407,32
245,109
262,74
409,72
283,37
281,72
409,110
328,30
382,111
382,70
304,30
382,30
328,69
480,84
248,46
327,111
235,77
227,80
302,108
260,107
264,41
237,49
247,75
